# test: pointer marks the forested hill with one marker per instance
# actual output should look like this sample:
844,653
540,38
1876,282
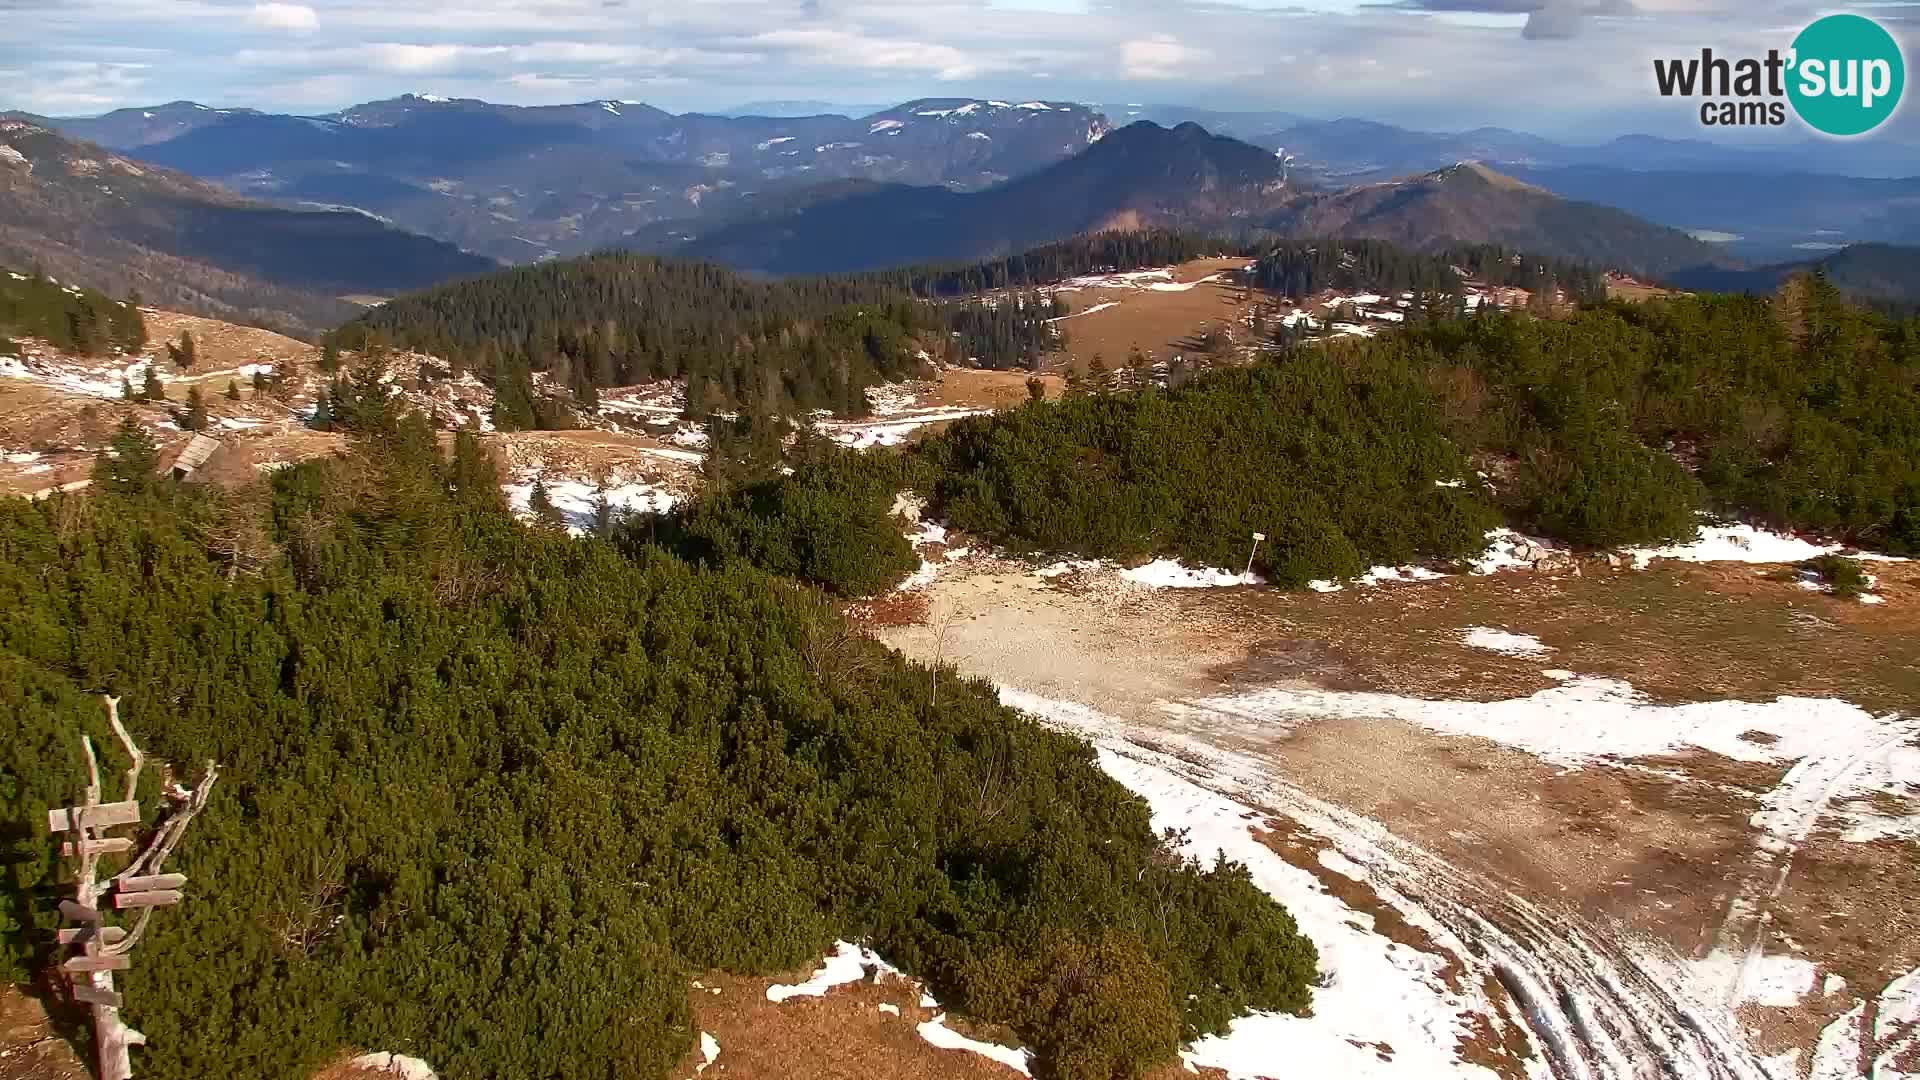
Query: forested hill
495,796
1101,252
1140,176
1618,425
1301,268
67,317
615,319
1880,274
86,215
1471,204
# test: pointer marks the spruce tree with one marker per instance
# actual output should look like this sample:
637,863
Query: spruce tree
233,390
541,505
151,390
131,463
195,418
604,515
185,352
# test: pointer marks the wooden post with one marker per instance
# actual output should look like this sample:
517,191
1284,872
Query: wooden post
141,886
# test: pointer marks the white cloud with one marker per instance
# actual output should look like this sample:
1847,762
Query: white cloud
1159,57
67,87
854,49
298,18
1323,57
413,59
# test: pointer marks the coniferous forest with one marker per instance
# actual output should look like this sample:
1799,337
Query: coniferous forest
1300,268
68,318
783,347
492,796
617,319
1103,252
1622,424
1801,411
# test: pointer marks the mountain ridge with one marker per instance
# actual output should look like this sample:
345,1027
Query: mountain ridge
89,215
520,183
1140,176
1473,203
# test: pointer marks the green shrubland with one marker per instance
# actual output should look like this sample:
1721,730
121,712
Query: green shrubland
491,796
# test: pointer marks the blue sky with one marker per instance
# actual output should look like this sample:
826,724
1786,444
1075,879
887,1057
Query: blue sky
1565,68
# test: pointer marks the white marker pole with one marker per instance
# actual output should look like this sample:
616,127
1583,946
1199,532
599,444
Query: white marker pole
1257,537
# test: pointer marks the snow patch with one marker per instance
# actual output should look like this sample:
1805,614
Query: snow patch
939,1034
1102,306
1777,981
709,1049
862,435
848,963
1745,544
398,1066
1837,1055
575,500
1170,574
1503,642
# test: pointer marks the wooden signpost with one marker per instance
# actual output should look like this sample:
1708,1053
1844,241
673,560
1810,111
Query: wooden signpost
140,887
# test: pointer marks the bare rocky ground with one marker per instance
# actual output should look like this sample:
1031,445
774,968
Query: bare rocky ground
31,1048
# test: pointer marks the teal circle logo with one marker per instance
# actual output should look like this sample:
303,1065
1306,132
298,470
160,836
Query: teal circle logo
1847,75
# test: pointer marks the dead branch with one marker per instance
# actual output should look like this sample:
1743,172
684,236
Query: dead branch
140,886
126,742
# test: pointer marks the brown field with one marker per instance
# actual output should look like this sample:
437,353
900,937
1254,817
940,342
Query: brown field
1623,287
971,388
1159,324
219,348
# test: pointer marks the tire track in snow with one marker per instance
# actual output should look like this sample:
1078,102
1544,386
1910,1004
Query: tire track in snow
1599,1009
1750,911
1600,1002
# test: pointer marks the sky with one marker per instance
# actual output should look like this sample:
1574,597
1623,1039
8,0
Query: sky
1563,68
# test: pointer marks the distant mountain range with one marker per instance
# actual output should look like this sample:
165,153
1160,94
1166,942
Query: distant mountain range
1756,204
1471,203
82,213
1763,216
1141,176
1355,150
1873,273
816,189
1145,176
519,183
